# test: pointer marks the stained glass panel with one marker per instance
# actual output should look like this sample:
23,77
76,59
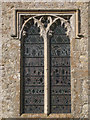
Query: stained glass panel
33,71
60,72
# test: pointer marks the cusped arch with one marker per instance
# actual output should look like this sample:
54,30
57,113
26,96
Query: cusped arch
60,73
33,32
38,19
32,49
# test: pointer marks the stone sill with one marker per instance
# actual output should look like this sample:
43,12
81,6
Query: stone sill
46,116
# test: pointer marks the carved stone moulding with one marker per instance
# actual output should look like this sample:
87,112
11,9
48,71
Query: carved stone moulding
69,19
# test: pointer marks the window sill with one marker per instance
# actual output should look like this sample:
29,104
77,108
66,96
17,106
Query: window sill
28,115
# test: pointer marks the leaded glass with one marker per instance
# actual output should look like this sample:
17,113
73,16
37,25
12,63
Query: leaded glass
60,71
61,108
34,50
33,109
33,71
33,66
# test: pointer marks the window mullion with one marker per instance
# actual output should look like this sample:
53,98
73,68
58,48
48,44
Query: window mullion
46,75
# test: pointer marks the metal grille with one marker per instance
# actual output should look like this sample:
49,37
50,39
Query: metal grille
33,71
60,72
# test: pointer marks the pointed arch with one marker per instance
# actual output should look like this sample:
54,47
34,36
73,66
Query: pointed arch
32,49
46,31
51,20
60,80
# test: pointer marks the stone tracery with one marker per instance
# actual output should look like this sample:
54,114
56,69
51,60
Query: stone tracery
55,33
44,22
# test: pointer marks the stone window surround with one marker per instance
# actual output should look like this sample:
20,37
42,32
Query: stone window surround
75,33
75,13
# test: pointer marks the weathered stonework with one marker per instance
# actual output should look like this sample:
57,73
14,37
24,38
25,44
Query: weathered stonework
0,60
11,61
89,60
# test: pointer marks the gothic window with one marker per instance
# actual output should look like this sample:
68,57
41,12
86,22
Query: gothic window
46,66
60,71
33,71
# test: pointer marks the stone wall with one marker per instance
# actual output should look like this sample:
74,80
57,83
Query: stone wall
0,60
89,58
11,60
